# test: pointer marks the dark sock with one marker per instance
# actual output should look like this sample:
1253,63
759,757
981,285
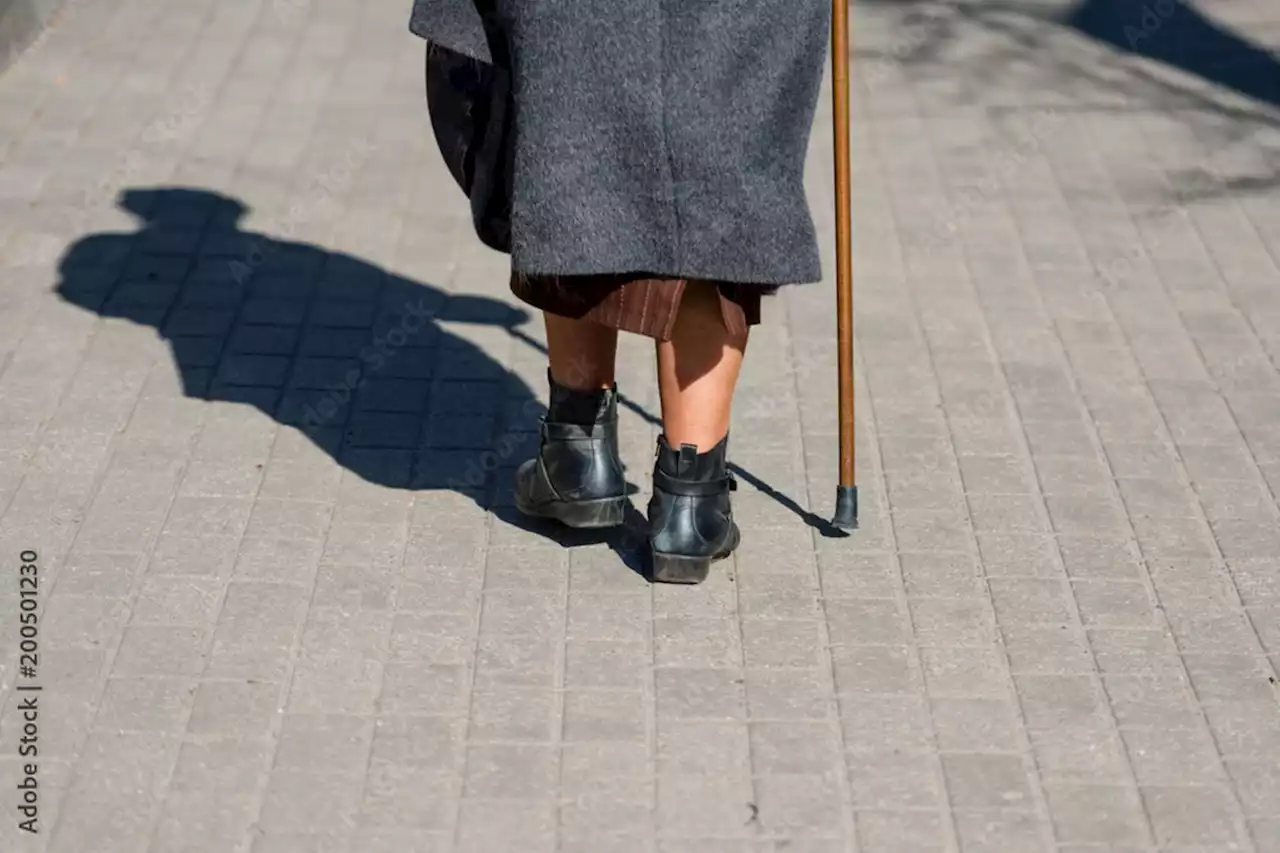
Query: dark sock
569,406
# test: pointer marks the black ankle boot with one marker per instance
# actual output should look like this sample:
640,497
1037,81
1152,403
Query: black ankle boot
690,520
576,477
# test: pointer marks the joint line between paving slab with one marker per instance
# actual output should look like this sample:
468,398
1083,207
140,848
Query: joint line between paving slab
1131,535
848,818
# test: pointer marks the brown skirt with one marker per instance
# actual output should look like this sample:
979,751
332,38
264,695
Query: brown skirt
634,303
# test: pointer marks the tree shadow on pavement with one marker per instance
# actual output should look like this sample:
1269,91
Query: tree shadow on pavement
1175,33
359,359
1225,91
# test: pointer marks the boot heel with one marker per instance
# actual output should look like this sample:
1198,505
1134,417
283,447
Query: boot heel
672,568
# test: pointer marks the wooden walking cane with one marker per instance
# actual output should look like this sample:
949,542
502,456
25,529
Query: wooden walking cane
846,516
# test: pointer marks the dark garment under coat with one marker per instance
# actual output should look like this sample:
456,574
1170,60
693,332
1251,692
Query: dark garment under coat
618,136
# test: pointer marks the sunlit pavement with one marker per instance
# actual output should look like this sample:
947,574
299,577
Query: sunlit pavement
261,393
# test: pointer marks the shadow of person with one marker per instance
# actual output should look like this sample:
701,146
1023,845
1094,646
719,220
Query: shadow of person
359,359
1175,33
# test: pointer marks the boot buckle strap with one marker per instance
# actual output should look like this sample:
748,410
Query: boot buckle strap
691,488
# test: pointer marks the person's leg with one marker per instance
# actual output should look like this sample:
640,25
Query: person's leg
698,371
690,518
582,354
576,476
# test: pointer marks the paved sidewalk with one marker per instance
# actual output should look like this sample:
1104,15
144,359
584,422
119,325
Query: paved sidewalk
261,392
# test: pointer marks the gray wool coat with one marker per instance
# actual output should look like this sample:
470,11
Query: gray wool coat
619,136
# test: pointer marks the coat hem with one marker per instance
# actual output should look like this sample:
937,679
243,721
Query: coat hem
744,278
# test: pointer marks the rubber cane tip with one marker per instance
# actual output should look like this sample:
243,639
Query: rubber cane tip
846,517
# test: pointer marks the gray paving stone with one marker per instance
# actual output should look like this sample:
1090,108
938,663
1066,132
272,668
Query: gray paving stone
769,597
1090,814
515,661
99,574
618,820
1161,701
699,694
1059,700
855,573
505,713
1043,649
1133,652
82,621
1182,580
713,845
1017,555
617,843
177,601
430,741
220,819
1030,602
681,641
159,705
784,748
976,725
691,748
306,801
247,642
800,804
769,643
287,519
805,694
156,650
375,659
1079,756
113,769
887,831
895,781
1185,755
1186,816
1230,677
323,743
414,797
925,530
695,805
277,560
1256,786
1213,632
240,708
1113,604
605,663
598,715
953,622
1080,512
941,575
966,671
874,669
980,781
511,771
1066,473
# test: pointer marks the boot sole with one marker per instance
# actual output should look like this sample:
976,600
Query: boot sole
678,569
581,515
672,568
